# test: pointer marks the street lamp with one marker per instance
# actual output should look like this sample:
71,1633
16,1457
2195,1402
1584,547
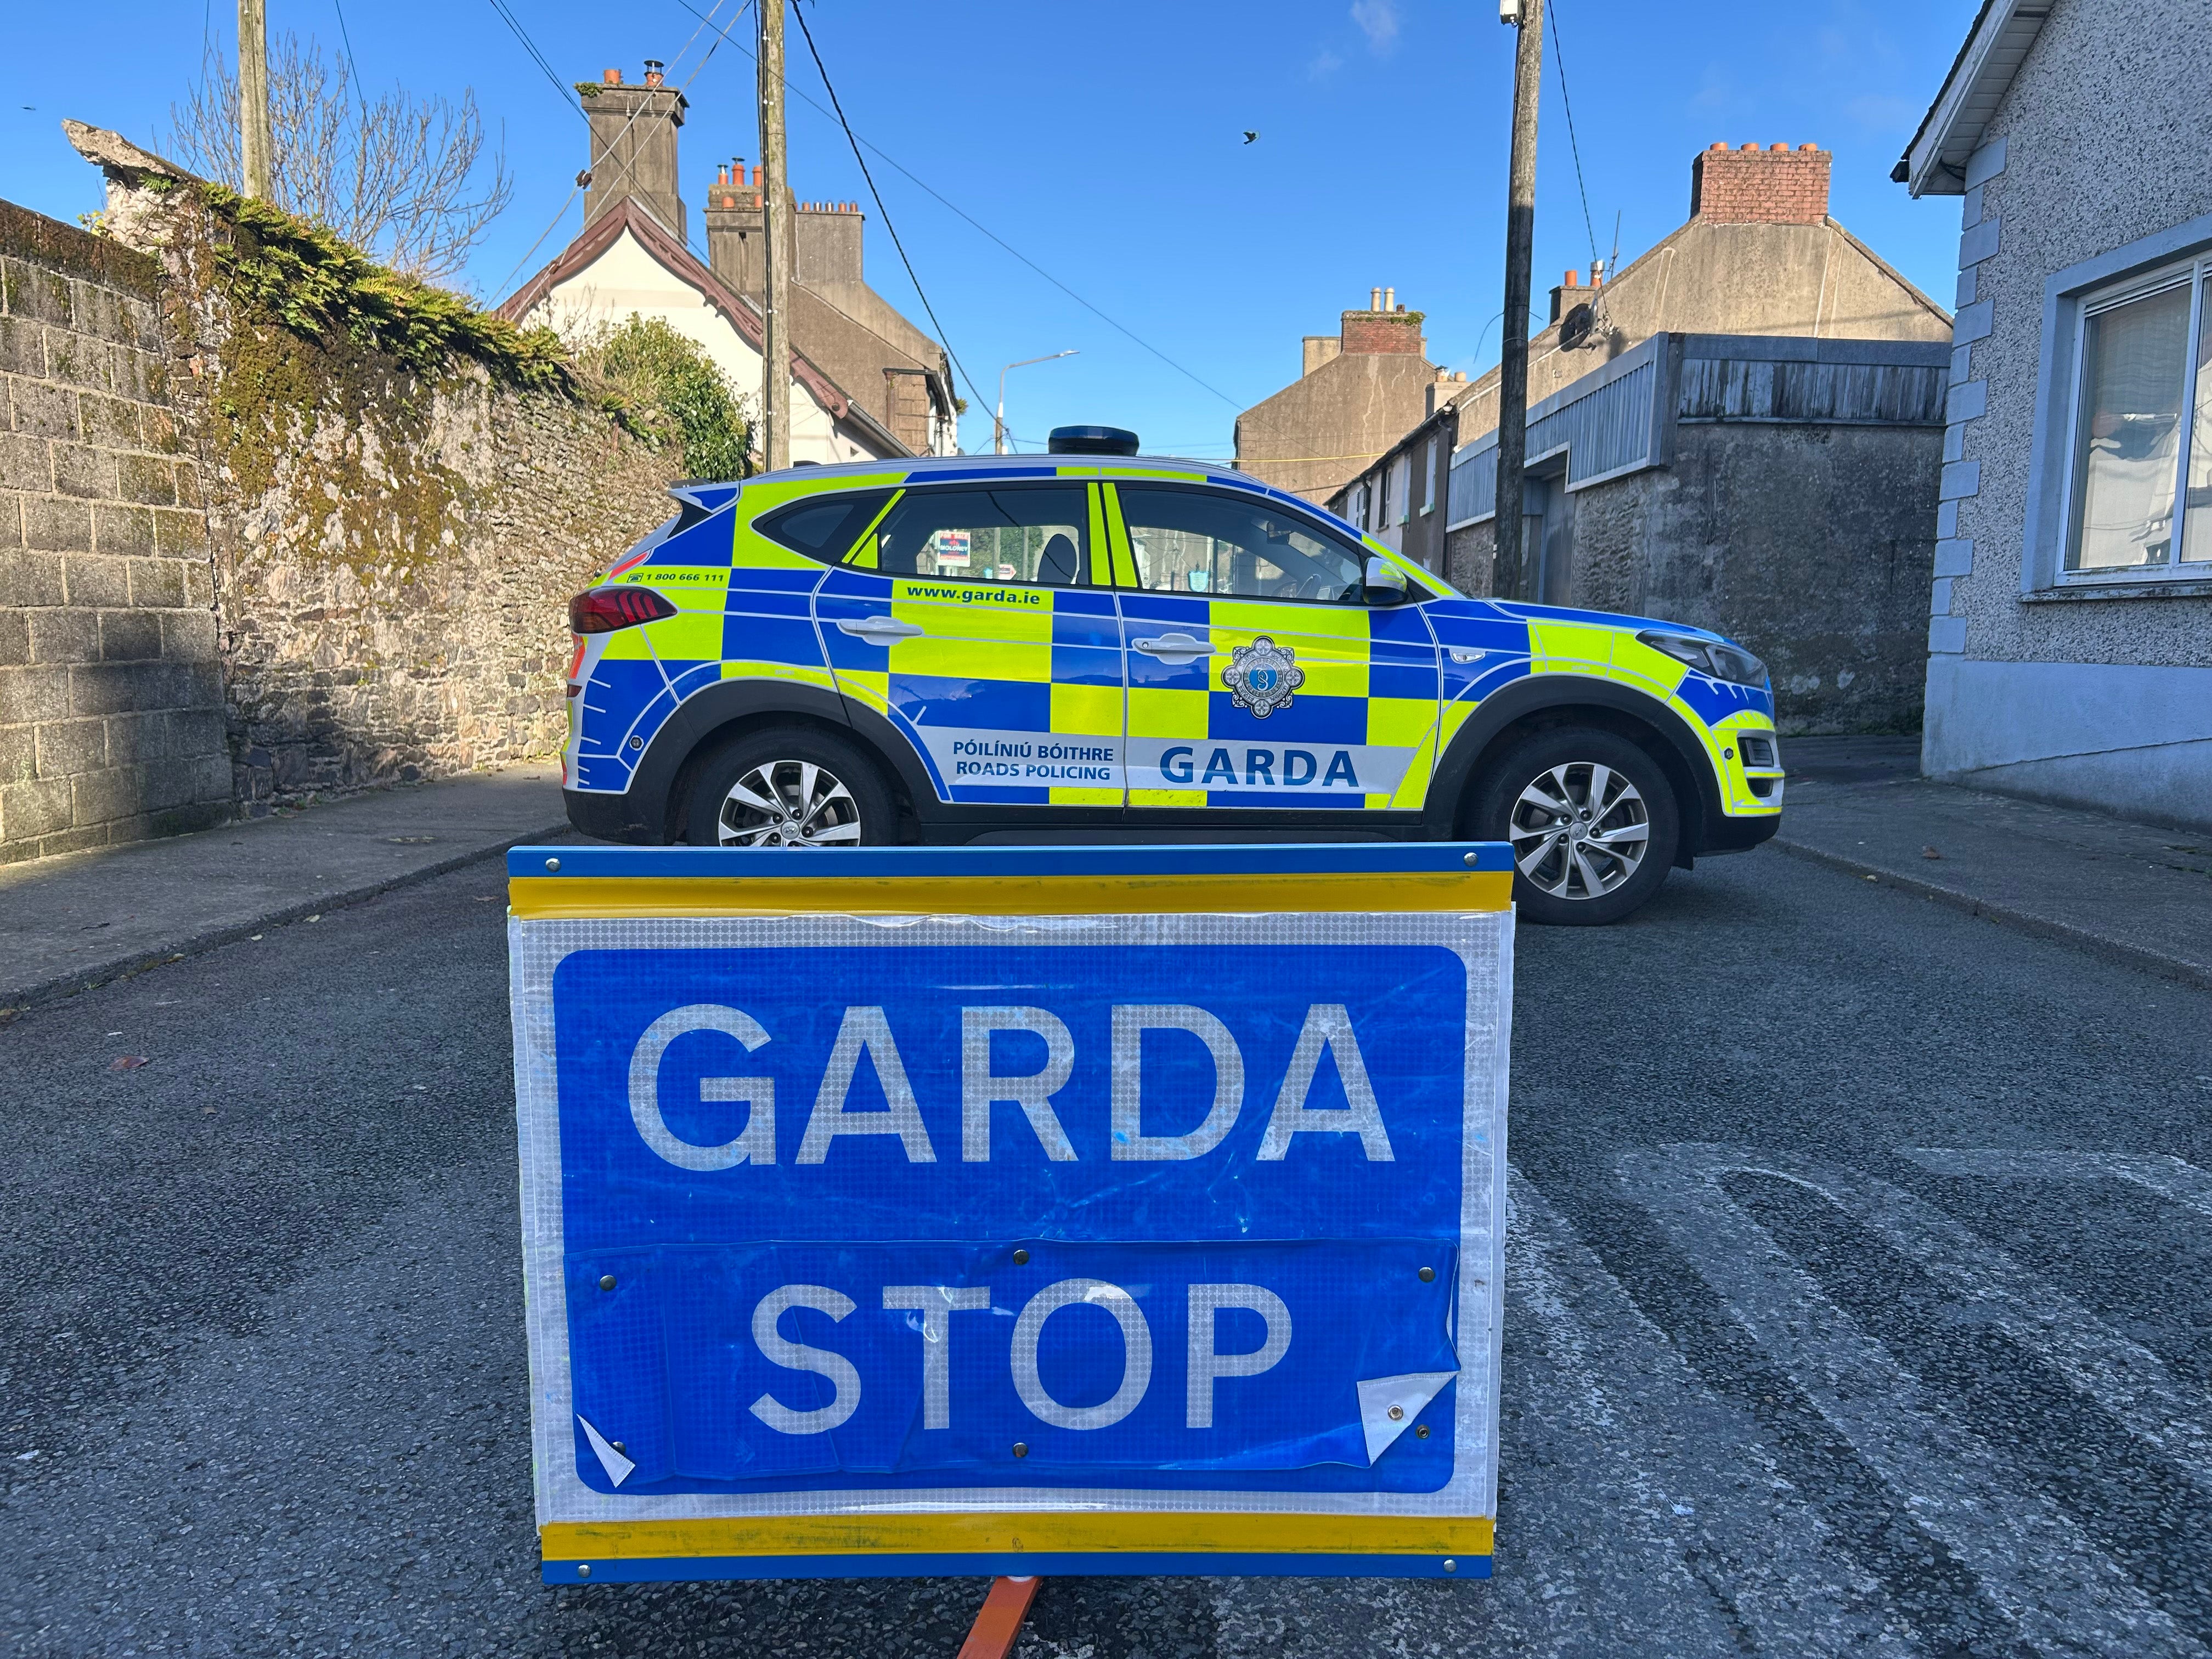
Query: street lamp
998,421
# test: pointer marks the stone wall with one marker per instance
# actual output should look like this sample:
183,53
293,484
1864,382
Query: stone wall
111,701
381,651
242,562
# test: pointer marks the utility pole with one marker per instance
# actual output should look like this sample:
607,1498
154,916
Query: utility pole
1508,573
775,229
253,141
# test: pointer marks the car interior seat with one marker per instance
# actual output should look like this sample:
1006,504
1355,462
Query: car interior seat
1059,562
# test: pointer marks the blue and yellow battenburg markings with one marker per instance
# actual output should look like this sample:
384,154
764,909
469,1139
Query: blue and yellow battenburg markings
1016,695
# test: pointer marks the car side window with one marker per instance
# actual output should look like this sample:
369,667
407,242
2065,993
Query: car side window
826,527
1005,533
1192,541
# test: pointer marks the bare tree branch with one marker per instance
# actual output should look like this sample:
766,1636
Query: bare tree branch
397,176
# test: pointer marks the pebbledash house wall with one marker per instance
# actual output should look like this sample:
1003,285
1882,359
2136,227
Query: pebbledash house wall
110,698
2096,161
176,649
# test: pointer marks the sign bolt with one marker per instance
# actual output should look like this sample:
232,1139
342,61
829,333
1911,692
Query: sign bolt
1451,1566
1428,1275
584,1570
1472,860
551,866
1021,1258
1021,1449
606,1281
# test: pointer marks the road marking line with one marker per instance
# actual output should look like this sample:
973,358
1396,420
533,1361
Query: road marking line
2060,1591
2169,1178
1780,1570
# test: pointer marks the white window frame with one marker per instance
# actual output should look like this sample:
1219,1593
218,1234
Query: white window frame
1429,476
1400,479
2131,269
2195,274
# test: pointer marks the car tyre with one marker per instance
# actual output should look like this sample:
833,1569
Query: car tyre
1579,861
790,786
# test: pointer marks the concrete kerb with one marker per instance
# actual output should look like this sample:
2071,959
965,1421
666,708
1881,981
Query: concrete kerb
2020,922
15,999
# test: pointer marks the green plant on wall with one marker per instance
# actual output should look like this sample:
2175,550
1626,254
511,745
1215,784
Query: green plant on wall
666,389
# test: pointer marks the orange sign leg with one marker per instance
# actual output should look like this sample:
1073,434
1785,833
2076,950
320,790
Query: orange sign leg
999,1622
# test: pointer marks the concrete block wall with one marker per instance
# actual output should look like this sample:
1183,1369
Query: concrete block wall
111,699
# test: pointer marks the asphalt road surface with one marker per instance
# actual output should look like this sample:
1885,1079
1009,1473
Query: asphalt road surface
1856,1305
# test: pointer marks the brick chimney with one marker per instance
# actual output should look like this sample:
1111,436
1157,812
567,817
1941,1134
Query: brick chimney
736,250
825,250
1777,186
1385,326
825,243
633,146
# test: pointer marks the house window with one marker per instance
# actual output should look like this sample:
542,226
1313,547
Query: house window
1429,476
1400,487
2139,482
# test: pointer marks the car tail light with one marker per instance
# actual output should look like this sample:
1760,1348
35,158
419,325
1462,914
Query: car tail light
603,610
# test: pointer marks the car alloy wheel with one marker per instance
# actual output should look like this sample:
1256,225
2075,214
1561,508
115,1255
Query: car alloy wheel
1579,831
788,803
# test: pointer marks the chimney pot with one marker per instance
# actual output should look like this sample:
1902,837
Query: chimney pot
610,78
1390,299
653,68
722,174
1571,279
1779,149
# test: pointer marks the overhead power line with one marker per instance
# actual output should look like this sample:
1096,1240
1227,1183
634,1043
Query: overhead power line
567,94
922,185
705,20
1560,63
799,12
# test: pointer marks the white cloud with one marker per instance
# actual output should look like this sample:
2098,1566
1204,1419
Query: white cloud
1378,21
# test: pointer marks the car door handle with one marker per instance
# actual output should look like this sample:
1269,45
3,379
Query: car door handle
880,630
1173,649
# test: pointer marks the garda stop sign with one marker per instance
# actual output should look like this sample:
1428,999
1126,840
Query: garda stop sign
1013,1211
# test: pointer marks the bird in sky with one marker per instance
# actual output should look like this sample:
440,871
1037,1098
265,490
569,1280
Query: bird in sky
1249,137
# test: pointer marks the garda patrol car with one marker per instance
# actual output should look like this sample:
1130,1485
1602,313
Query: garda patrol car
1090,645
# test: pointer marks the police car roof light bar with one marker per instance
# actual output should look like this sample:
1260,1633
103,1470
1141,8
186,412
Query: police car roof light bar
1092,440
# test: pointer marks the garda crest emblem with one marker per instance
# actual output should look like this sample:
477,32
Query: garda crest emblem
1263,675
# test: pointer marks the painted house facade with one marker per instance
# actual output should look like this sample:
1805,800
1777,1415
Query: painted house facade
866,383
2070,635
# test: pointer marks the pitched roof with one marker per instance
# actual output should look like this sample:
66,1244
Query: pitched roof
1935,163
630,215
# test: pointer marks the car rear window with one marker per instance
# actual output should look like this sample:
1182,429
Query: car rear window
826,527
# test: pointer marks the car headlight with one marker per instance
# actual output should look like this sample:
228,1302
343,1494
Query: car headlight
1718,658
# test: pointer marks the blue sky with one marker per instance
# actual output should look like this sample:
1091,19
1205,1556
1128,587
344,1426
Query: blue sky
1106,145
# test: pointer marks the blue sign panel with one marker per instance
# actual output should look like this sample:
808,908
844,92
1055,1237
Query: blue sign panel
940,1218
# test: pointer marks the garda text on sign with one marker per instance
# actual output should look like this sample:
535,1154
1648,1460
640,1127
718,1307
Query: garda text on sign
923,1242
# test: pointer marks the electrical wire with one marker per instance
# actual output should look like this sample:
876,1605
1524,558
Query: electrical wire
568,93
876,195
978,225
1560,63
705,22
360,93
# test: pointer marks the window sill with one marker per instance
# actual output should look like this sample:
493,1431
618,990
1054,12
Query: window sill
2178,588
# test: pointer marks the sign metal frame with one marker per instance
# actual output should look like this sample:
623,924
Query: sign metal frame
1456,894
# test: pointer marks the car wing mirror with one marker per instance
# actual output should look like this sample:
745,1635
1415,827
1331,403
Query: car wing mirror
1384,583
